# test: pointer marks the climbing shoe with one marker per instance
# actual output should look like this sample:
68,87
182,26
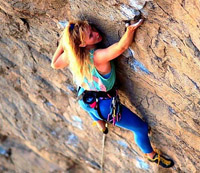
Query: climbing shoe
162,161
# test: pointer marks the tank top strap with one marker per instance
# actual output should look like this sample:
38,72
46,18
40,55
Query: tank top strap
92,53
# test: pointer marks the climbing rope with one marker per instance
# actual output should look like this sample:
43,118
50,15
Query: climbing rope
102,152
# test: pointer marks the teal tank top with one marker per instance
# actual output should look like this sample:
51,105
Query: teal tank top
100,82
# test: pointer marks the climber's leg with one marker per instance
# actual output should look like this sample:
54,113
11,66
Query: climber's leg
132,122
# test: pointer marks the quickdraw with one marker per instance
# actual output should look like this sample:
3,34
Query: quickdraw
115,110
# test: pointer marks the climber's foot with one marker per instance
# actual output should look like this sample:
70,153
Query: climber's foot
162,161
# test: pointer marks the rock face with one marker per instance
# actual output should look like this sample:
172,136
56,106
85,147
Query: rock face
42,128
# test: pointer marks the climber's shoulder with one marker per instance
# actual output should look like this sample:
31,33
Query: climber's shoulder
105,55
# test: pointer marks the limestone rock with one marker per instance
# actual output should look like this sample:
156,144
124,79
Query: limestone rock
42,128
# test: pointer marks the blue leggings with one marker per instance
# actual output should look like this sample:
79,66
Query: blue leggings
129,121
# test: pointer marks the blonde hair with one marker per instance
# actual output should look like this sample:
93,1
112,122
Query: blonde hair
79,58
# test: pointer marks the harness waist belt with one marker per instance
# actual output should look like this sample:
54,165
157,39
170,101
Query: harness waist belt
92,98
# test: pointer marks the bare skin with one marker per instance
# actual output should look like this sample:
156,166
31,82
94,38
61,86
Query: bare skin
59,60
102,57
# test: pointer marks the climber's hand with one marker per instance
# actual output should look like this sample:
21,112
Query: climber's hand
135,25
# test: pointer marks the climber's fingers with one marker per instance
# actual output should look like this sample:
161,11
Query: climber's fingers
135,25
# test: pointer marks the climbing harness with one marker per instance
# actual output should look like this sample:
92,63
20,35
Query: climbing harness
93,97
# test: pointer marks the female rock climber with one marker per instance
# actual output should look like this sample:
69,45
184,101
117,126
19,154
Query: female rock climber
94,72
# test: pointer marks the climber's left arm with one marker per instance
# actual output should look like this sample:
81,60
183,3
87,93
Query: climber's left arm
60,59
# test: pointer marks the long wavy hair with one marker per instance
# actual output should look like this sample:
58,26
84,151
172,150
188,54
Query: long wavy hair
79,58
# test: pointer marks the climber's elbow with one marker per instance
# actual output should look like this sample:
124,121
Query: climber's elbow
59,65
124,48
53,66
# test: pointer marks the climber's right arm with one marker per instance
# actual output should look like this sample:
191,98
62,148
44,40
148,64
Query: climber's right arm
103,56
